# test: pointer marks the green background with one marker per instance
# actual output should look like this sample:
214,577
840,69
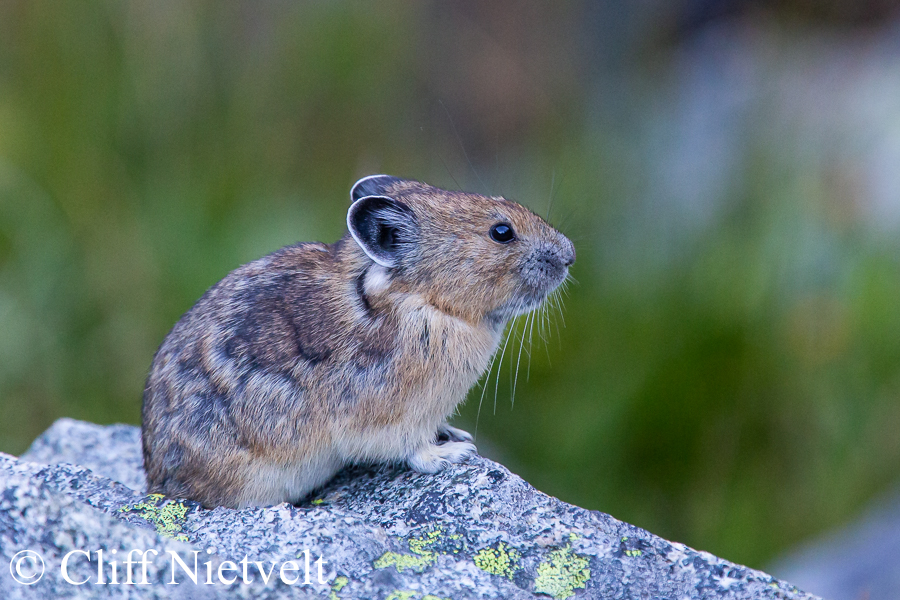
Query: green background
728,378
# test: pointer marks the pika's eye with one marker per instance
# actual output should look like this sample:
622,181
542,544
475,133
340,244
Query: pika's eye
502,233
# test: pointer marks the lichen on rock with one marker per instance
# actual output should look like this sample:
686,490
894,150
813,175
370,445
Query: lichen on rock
562,573
167,516
500,560
423,553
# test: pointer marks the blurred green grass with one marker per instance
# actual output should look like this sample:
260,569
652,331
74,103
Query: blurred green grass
733,386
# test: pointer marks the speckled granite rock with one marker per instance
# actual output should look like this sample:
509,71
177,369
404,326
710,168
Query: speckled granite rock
474,531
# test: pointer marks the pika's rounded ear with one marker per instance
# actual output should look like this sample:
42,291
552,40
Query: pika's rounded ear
383,227
373,185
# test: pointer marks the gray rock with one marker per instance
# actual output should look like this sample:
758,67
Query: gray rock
475,530
861,560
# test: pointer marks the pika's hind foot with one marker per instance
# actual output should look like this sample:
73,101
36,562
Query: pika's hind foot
433,458
452,434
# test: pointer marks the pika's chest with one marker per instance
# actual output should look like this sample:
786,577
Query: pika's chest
442,359
438,361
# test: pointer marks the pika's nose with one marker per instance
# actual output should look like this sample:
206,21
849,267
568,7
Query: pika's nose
568,253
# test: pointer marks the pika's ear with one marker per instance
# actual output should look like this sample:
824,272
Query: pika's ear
382,227
373,185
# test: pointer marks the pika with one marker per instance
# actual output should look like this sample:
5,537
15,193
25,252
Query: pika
318,356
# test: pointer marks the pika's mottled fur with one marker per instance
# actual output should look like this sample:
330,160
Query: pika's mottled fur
317,356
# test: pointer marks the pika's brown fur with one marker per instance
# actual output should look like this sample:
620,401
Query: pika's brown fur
317,356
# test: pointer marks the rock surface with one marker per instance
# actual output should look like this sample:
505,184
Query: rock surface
860,560
473,531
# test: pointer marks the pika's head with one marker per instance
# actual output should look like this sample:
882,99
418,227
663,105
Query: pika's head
471,256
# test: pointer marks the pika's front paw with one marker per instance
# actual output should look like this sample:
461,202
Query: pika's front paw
433,458
446,433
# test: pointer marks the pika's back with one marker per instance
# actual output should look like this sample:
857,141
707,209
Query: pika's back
317,355
294,308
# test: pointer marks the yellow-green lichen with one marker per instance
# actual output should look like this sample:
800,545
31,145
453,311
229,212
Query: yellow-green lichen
501,560
562,573
421,545
337,586
632,552
318,502
423,555
400,595
166,517
403,562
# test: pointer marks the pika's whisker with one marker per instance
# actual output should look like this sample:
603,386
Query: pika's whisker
531,343
559,308
550,202
500,364
484,385
515,382
545,323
